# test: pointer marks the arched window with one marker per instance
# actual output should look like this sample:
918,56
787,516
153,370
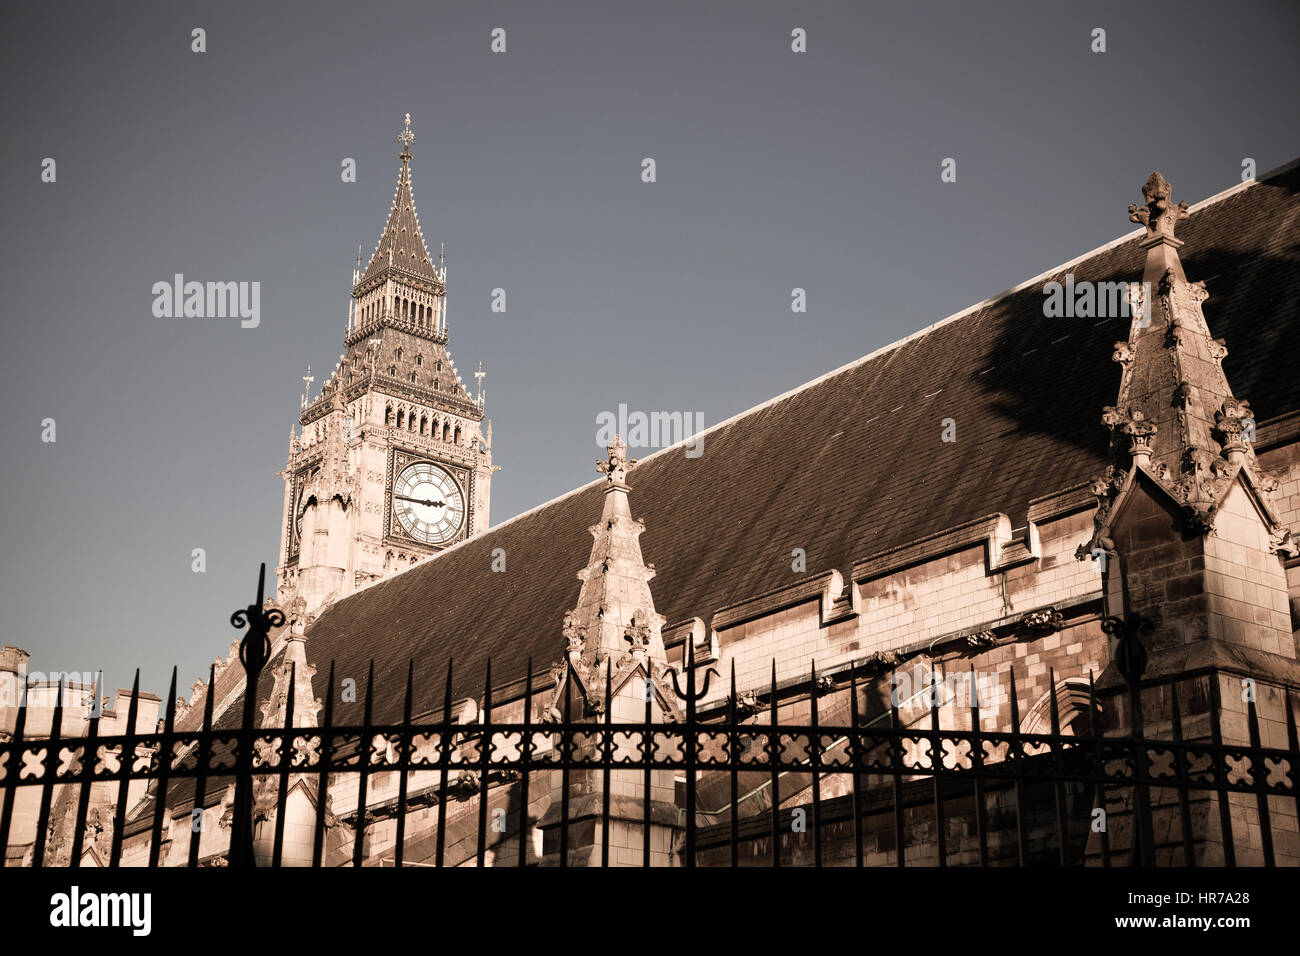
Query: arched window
437,366
419,360
388,415
398,355
412,376
424,425
410,422
456,439
401,418
1072,706
436,386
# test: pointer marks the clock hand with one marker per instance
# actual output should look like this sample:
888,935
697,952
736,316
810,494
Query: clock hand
422,501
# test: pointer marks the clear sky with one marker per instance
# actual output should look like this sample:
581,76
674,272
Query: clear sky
775,170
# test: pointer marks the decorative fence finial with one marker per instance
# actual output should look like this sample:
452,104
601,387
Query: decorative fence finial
255,648
254,652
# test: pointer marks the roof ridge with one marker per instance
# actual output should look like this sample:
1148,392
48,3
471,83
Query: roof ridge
693,439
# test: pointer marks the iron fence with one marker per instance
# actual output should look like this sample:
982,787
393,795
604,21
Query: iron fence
859,786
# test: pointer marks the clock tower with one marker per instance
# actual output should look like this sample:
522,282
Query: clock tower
393,461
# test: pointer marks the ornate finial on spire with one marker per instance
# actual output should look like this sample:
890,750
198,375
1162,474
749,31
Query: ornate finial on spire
307,380
1158,212
406,138
480,375
618,465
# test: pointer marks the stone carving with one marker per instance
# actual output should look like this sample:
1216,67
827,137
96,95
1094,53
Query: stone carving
982,639
638,635
465,785
1046,621
883,660
1131,422
746,704
575,637
617,466
1282,542
1123,353
1230,422
1158,213
99,828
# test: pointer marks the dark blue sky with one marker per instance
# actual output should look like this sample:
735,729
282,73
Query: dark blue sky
775,170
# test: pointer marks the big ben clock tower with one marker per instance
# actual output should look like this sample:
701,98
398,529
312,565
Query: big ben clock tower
392,463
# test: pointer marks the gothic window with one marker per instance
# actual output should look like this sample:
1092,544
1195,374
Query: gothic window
419,360
410,423
457,437
437,366
1073,705
398,355
401,418
436,386
388,415
392,370
446,430
424,425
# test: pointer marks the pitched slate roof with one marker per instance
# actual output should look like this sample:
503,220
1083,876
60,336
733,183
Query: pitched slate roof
845,467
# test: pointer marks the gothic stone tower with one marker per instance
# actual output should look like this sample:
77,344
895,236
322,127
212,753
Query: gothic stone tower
392,463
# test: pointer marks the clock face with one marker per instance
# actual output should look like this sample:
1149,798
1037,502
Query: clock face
427,503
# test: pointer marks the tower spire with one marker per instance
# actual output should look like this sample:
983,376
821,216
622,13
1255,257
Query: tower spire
1176,419
401,250
614,627
1176,414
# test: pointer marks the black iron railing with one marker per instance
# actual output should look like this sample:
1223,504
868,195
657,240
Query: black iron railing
853,792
